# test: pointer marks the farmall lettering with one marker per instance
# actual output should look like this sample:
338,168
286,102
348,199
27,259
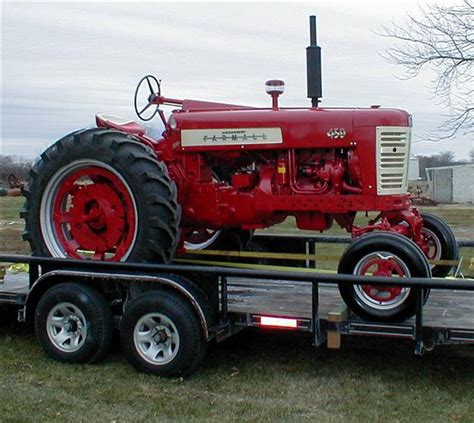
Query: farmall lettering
230,136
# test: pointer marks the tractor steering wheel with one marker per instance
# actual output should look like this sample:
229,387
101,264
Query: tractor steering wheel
152,87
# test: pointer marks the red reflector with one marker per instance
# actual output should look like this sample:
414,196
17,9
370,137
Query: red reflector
279,322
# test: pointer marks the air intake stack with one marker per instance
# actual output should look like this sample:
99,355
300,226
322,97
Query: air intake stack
313,65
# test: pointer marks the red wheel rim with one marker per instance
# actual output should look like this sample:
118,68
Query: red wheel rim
386,268
431,245
93,214
382,264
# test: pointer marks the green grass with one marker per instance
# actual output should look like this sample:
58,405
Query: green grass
255,376
11,226
10,208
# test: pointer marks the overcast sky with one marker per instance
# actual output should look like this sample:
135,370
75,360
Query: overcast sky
63,62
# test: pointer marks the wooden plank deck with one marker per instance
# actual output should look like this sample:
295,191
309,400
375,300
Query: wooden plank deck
444,308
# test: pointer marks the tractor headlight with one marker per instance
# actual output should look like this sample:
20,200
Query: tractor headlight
172,122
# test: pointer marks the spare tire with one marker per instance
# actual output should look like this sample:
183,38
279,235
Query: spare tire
100,194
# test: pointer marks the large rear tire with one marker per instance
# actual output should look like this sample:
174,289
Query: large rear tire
382,254
100,194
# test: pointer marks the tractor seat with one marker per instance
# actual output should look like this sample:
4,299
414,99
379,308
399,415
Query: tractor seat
116,122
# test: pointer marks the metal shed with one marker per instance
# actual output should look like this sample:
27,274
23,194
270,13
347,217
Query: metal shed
452,184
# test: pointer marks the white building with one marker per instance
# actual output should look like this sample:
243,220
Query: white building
452,184
413,169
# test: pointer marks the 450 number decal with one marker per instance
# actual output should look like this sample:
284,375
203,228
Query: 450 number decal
336,133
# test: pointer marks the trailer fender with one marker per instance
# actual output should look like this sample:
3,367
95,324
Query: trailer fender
184,287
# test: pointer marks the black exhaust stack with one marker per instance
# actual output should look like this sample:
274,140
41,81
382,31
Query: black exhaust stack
313,65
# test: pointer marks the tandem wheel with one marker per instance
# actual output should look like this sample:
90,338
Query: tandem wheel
73,323
161,334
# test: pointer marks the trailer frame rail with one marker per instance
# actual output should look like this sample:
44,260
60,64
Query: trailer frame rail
322,328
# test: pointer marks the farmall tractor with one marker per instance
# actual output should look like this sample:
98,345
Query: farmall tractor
220,171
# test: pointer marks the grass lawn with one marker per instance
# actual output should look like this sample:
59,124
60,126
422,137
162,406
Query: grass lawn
255,376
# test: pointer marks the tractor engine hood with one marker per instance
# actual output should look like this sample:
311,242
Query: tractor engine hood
255,129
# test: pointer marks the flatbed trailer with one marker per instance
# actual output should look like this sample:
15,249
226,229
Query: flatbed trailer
223,300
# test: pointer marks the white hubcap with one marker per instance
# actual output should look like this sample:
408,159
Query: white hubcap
156,338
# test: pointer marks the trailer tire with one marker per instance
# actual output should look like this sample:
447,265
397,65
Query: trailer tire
126,210
161,334
81,314
443,243
382,254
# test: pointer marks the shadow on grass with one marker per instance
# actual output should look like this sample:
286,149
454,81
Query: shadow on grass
293,353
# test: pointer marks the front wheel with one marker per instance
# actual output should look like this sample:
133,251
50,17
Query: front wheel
387,255
440,243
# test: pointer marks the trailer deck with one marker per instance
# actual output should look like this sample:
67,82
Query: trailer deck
448,315
446,318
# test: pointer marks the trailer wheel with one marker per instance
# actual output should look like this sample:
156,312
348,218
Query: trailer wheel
441,243
382,254
161,334
99,194
73,323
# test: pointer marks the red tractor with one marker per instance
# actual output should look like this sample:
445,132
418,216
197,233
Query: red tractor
221,171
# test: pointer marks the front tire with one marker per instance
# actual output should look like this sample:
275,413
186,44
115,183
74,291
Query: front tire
441,243
162,335
73,323
382,254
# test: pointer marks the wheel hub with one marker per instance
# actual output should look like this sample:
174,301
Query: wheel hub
156,338
66,327
431,244
72,324
383,265
98,217
89,211
161,335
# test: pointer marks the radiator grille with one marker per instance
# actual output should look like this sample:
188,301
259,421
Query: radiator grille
393,151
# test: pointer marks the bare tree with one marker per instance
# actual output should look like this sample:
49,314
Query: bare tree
444,158
440,40
17,166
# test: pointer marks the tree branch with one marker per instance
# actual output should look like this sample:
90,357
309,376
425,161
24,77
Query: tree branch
440,40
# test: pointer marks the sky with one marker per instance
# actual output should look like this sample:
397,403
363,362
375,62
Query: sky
64,62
